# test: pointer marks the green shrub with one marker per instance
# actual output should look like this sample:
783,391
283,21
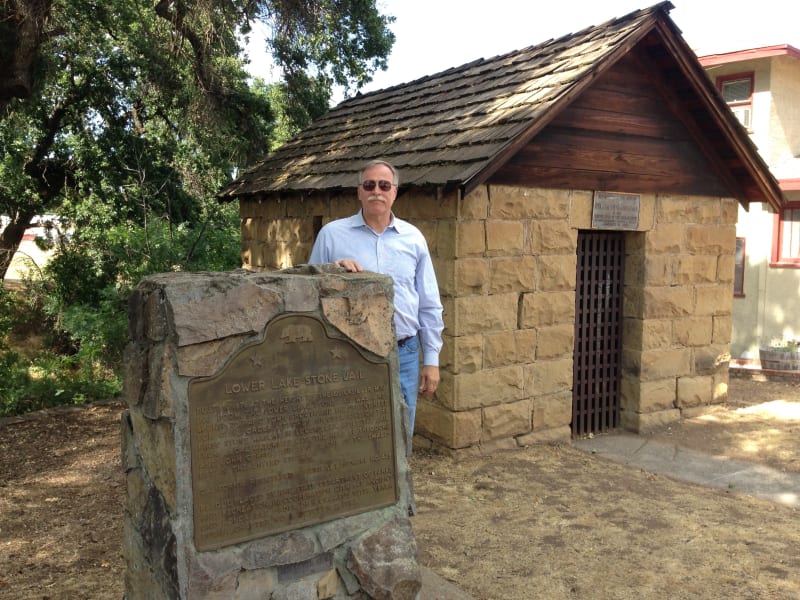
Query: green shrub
34,377
14,383
47,381
78,309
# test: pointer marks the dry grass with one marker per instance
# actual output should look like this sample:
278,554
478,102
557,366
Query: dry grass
542,522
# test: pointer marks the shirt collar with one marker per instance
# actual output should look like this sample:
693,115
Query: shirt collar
394,223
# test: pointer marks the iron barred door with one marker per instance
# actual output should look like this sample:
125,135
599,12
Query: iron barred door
598,332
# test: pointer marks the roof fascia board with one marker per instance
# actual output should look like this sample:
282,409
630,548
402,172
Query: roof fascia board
713,60
790,185
743,146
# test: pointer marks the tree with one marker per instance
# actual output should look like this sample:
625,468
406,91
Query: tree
21,24
129,112
123,118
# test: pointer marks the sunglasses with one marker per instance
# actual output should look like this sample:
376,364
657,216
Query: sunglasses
370,184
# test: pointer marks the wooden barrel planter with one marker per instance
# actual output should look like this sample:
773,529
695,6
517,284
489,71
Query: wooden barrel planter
779,359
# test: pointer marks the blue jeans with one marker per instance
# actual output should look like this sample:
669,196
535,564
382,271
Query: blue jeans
408,357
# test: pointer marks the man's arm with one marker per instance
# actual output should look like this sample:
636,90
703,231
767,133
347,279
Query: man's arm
428,380
431,323
322,249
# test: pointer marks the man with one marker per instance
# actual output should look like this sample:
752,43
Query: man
375,240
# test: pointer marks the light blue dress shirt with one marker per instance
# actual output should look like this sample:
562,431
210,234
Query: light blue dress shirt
402,252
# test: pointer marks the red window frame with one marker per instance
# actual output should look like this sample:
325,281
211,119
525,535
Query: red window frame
786,223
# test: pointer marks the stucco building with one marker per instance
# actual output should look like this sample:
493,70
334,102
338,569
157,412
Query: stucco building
579,198
762,87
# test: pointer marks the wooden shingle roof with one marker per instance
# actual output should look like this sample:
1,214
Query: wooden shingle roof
457,127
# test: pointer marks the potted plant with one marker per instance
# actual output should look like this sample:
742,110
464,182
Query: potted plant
781,355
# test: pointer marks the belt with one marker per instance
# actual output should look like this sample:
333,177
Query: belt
402,342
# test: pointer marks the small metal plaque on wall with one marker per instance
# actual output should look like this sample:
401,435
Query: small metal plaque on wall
294,431
614,210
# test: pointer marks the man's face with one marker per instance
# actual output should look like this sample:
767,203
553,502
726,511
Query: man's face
377,203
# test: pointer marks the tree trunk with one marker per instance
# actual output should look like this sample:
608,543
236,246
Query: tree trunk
11,237
21,25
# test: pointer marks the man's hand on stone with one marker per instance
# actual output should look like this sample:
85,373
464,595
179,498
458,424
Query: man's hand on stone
349,264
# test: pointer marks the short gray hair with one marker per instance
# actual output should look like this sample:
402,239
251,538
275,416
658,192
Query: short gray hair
375,163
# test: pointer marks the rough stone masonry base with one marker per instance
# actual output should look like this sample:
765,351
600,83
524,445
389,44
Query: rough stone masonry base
189,325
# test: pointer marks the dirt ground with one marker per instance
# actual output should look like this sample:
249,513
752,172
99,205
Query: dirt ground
544,522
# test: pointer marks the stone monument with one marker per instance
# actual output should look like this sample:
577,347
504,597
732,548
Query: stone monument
265,439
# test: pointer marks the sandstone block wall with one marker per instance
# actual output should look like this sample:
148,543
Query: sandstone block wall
278,231
678,310
506,262
187,325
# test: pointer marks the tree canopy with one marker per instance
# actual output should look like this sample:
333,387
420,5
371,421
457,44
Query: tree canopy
121,119
134,107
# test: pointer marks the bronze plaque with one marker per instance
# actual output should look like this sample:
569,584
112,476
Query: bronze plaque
295,430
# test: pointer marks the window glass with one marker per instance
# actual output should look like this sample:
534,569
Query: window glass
790,234
736,90
786,250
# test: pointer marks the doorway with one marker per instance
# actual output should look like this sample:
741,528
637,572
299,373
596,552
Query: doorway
598,332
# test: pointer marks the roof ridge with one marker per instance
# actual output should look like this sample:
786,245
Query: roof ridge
459,126
664,6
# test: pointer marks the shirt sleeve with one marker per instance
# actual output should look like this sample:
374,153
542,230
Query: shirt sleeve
431,324
322,250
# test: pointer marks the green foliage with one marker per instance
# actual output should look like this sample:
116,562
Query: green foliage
47,381
139,113
32,377
92,318
14,385
342,42
79,309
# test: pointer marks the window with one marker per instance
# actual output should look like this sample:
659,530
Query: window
738,275
737,91
786,241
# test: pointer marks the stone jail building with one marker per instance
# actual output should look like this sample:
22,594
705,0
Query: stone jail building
579,198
